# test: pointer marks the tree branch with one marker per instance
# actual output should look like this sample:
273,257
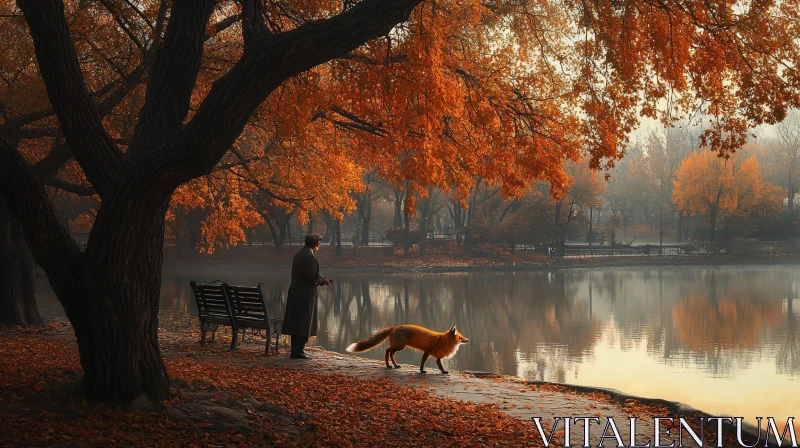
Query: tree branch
77,114
106,105
127,85
234,97
223,25
254,29
402,57
50,242
174,75
360,123
47,168
80,190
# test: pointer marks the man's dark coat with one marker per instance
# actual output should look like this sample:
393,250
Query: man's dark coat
301,302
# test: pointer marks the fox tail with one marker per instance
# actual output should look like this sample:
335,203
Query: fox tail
370,342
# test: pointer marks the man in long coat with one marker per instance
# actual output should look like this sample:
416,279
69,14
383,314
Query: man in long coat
300,320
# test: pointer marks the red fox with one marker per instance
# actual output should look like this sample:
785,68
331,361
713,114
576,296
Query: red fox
431,343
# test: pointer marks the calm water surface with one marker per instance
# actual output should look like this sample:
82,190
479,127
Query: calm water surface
721,339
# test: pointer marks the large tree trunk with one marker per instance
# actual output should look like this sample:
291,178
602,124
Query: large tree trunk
17,269
119,343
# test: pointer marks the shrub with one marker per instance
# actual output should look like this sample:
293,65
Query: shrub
398,236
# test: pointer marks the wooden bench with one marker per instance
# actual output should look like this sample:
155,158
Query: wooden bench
250,311
213,308
236,306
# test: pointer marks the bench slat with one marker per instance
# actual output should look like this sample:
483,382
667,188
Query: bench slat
247,289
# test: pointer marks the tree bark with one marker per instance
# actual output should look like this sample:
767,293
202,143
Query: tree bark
17,274
122,271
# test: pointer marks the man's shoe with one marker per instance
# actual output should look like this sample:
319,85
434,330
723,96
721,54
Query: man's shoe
299,356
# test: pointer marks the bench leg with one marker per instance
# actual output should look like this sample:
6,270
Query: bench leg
203,333
234,338
244,330
277,336
266,346
213,335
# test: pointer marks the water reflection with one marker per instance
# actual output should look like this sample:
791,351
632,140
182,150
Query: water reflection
720,339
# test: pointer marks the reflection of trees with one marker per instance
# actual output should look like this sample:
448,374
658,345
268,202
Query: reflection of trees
788,357
746,303
724,324
722,328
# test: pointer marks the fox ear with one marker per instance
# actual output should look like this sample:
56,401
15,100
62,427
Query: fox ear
453,330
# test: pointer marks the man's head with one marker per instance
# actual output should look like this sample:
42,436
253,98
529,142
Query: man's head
312,241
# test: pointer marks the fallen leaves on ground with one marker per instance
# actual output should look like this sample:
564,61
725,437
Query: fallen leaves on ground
346,411
39,405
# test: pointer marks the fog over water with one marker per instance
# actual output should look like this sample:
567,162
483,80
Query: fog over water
721,339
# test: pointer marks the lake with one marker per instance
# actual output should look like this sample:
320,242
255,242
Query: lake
721,339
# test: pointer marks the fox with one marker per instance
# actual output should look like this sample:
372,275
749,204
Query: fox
430,343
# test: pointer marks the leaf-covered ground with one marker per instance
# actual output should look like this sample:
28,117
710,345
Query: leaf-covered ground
39,408
261,405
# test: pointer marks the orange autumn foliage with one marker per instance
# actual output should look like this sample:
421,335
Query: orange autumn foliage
708,185
505,92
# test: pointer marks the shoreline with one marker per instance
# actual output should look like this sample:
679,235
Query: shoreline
366,262
675,408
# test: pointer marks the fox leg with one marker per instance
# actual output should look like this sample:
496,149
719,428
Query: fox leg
439,363
388,351
422,365
392,352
